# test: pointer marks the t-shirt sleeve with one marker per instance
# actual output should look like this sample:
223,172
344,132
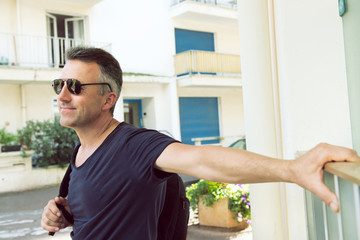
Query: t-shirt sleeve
144,147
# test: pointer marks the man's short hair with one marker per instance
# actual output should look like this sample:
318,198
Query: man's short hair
110,71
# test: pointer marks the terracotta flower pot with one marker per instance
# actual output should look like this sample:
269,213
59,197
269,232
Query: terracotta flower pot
219,215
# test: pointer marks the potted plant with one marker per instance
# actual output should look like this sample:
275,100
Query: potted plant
209,197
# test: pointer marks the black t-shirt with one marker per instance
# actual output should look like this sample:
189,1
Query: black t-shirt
117,193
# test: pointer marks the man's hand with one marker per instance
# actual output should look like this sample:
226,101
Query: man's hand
308,170
52,218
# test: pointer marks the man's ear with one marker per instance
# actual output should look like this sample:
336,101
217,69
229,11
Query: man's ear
110,101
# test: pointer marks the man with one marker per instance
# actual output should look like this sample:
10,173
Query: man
116,188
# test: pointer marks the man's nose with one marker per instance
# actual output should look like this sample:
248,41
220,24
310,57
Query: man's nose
65,94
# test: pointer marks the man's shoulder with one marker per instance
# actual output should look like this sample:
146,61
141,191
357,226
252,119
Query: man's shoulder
126,129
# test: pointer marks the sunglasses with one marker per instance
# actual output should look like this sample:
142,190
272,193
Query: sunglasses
73,85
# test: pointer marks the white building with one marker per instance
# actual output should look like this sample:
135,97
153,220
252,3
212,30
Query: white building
145,36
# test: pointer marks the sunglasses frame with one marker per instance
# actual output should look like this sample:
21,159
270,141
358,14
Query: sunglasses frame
77,87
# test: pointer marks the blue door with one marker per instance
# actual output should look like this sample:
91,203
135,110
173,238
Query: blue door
193,40
199,117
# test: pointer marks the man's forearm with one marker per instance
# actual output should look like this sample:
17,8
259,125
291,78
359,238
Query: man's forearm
238,166
223,164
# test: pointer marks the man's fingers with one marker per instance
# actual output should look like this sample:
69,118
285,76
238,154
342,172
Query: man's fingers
49,225
327,196
338,153
52,211
51,219
60,200
64,202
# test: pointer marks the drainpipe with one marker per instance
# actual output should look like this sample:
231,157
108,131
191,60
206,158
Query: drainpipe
277,111
23,105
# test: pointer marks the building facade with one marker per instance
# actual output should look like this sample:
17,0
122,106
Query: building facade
179,58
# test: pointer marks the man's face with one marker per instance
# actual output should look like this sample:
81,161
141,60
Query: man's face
77,111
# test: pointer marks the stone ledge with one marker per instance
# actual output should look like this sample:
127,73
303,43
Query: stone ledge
15,181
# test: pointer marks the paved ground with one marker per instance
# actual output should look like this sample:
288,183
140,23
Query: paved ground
20,215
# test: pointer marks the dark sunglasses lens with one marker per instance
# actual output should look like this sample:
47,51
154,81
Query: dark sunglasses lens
57,85
74,86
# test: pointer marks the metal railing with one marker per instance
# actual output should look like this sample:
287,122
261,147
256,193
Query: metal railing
192,61
217,140
220,3
37,51
343,179
198,141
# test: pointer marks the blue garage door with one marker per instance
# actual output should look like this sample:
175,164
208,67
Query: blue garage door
193,40
199,117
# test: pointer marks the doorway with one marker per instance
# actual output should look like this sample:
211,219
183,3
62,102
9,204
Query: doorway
63,32
133,112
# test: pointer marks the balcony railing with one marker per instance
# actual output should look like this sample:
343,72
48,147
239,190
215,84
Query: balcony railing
193,62
35,51
323,224
220,3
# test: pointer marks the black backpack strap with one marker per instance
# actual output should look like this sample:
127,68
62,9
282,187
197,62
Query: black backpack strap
64,186
63,192
174,217
180,232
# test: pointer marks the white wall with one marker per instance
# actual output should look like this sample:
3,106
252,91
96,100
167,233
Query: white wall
313,89
38,100
139,33
10,112
312,75
7,16
28,95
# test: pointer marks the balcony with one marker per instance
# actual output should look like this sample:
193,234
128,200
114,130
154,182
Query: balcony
219,3
343,179
209,11
85,2
207,69
38,52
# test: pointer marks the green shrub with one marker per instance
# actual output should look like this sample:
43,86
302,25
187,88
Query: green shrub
52,143
7,138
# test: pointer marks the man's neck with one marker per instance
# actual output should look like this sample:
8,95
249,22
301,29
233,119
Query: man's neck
92,136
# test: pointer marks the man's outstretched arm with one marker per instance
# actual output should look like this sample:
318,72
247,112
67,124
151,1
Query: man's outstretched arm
238,166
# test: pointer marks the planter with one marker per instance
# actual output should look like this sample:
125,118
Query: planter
219,215
10,148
